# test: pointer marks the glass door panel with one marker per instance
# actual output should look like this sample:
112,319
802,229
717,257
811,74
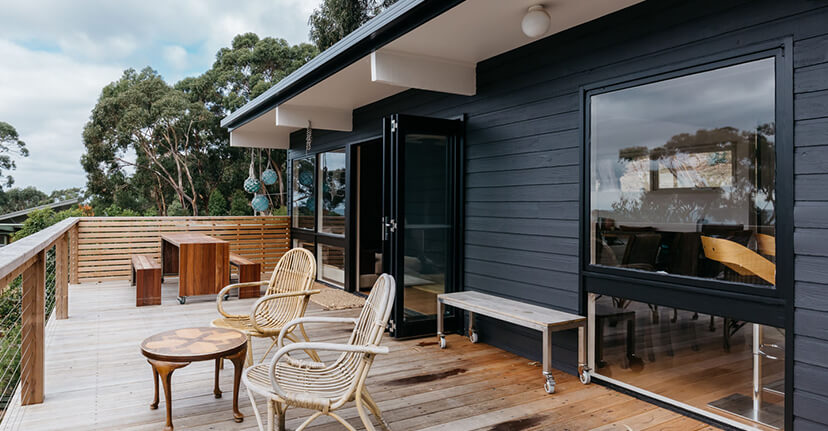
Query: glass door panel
421,209
426,225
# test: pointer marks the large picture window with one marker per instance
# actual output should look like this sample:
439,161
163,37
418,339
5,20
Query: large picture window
682,175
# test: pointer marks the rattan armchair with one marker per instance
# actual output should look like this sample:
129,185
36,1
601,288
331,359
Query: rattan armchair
325,387
286,299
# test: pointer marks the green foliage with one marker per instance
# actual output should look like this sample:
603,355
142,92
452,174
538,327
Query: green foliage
115,211
240,204
10,144
218,204
17,199
37,221
335,19
43,218
175,209
175,130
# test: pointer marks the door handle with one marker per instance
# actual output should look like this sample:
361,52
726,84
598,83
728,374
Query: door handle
388,226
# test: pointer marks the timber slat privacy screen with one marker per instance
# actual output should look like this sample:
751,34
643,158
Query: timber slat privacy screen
106,244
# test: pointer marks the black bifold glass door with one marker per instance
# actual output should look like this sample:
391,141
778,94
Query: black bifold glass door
421,215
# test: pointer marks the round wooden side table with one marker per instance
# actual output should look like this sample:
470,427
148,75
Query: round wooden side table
170,350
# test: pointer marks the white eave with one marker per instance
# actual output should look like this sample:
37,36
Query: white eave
439,55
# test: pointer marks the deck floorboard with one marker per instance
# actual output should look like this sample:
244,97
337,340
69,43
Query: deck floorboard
96,379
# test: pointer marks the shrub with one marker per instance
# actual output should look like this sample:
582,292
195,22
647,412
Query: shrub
239,204
217,205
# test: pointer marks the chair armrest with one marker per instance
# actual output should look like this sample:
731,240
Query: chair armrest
330,347
226,289
264,299
302,320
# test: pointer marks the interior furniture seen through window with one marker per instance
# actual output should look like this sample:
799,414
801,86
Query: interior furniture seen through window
682,175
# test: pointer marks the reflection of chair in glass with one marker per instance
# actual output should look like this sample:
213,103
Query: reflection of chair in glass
739,258
641,251
742,261
767,244
612,316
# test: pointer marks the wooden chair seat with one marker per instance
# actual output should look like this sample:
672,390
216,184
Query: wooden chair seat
146,277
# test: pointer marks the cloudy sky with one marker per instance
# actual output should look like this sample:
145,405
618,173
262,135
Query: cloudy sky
56,56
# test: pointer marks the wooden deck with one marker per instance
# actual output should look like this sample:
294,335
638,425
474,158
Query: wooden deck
97,379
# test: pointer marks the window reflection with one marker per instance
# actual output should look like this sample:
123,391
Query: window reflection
331,263
708,362
683,175
303,200
332,189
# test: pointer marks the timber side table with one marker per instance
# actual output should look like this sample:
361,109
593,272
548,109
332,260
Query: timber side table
171,350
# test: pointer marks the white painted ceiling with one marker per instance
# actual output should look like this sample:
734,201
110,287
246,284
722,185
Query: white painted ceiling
472,31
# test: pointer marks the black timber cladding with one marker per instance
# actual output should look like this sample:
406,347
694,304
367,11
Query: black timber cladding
523,151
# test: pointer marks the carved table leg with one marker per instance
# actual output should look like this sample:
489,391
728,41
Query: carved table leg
154,404
216,390
238,366
165,371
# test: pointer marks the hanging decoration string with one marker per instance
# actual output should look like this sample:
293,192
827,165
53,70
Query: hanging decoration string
252,172
308,138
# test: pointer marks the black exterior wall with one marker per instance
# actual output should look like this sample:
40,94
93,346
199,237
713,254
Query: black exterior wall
524,148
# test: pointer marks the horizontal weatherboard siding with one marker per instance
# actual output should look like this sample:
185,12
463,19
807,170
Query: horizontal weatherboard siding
523,152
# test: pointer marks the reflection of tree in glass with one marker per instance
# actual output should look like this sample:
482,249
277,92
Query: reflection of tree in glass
303,187
333,191
735,167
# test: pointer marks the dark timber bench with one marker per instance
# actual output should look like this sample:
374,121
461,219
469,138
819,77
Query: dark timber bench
146,277
248,271
531,316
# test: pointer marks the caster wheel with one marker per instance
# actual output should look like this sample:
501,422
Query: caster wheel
443,343
473,337
585,378
182,300
226,296
549,387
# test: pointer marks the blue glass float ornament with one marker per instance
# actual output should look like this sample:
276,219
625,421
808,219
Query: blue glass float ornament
306,178
260,203
269,177
251,185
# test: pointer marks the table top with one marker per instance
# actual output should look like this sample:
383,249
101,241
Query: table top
193,344
178,238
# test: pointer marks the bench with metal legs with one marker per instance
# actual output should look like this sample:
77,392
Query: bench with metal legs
531,316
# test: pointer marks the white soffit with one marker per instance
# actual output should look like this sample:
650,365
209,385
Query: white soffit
447,47
440,55
476,30
261,132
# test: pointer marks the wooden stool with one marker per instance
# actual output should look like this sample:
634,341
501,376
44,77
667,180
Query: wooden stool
146,277
248,271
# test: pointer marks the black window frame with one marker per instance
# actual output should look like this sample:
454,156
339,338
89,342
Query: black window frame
768,306
314,235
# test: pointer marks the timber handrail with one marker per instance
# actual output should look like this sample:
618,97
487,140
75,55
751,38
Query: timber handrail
26,259
14,255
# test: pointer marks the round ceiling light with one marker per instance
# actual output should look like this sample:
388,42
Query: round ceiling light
536,22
